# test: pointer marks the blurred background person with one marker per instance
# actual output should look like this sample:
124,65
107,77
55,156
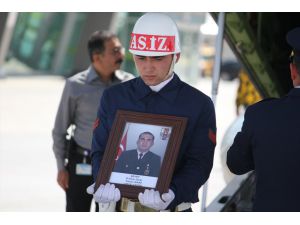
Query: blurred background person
77,113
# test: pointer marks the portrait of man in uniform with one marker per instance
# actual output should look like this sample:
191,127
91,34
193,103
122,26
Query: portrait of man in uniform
140,161
140,154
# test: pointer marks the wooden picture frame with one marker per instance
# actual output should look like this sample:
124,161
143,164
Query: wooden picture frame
168,133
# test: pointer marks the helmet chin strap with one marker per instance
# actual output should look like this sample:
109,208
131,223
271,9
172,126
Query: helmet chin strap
171,66
167,79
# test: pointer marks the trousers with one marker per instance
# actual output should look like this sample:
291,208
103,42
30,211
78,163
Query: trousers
78,200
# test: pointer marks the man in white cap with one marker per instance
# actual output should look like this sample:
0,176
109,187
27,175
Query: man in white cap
155,47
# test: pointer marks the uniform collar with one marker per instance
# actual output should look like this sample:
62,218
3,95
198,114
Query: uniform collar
158,87
139,152
294,92
168,92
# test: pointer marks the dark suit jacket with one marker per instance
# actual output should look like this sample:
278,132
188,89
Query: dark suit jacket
269,143
128,162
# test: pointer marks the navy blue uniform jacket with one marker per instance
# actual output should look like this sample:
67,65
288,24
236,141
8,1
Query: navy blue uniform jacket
128,162
269,143
195,157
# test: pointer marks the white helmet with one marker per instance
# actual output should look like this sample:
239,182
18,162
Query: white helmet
154,34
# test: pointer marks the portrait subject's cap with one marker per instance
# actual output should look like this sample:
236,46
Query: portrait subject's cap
293,39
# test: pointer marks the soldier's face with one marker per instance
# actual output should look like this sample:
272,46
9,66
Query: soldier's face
145,142
153,70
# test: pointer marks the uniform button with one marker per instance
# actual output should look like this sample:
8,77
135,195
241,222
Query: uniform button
138,168
126,166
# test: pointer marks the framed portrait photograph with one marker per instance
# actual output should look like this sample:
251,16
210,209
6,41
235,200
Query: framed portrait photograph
141,152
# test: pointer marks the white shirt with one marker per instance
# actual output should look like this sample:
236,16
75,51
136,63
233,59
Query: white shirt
159,86
143,153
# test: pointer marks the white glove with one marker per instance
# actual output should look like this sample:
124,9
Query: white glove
105,194
151,199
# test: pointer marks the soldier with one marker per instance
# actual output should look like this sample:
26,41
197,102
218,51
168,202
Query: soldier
155,47
140,161
78,106
269,144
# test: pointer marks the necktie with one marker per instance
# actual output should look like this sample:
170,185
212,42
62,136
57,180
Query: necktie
140,156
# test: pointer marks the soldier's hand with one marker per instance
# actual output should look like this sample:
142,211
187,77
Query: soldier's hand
105,193
152,199
63,179
90,189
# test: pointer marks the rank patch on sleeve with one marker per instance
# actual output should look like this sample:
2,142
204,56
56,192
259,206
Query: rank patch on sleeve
96,123
212,136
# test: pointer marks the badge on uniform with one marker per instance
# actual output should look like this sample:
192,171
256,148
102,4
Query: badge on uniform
147,170
83,169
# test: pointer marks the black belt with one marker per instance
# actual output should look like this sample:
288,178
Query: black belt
83,151
74,148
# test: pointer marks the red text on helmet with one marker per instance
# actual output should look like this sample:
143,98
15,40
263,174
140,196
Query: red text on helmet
156,43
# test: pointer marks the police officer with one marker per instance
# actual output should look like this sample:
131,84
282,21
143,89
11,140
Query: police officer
78,106
156,48
269,144
140,161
